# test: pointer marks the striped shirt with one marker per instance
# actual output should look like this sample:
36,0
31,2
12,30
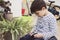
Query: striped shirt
45,25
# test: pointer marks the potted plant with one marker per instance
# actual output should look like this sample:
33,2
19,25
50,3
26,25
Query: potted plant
7,11
15,27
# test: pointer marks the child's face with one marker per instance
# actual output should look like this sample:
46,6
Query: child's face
40,13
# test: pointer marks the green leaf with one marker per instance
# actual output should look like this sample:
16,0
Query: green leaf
17,31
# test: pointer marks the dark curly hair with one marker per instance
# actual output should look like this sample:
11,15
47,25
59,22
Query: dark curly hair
37,5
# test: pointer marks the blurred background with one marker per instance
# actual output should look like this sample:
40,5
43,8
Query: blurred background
16,19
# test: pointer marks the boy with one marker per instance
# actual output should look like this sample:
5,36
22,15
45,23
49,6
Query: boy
46,23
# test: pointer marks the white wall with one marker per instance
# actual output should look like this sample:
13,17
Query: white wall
16,7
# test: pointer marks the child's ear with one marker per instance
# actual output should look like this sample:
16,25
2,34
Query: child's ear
43,8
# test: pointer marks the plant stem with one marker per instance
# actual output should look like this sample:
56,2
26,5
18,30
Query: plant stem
12,36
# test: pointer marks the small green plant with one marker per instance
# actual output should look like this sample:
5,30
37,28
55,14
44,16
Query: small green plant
16,26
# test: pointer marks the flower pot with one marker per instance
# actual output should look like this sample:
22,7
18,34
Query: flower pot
7,35
8,16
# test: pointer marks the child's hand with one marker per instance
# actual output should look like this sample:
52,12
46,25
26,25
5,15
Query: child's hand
30,34
38,35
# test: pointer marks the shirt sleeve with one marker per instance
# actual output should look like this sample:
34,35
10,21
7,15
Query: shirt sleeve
36,28
33,29
52,29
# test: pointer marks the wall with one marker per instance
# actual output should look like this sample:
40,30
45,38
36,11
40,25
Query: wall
16,7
